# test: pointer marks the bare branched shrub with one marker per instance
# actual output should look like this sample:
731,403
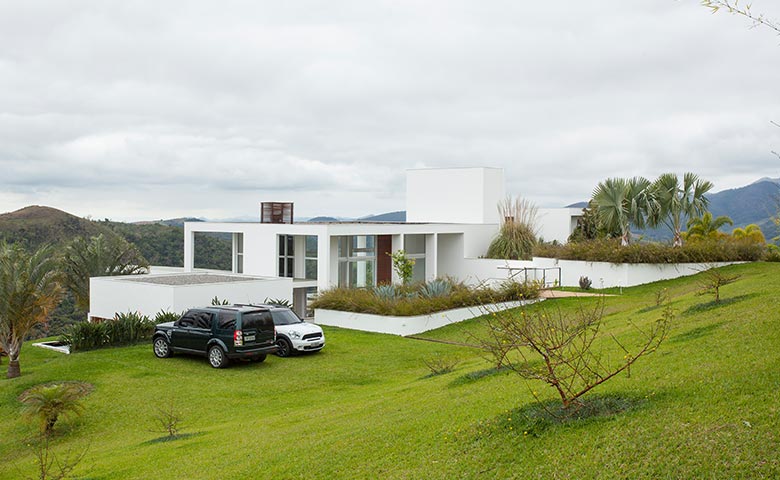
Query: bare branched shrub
518,234
662,296
712,280
50,466
168,419
440,364
566,351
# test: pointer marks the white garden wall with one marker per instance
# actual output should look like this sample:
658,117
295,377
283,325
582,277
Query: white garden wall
406,325
111,295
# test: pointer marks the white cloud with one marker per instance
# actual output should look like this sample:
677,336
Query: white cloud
123,111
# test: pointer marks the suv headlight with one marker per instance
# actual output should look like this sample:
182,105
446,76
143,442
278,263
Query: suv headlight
295,334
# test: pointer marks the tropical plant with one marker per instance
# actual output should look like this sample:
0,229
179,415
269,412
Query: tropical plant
29,292
585,283
518,233
751,233
403,265
705,227
587,225
280,302
386,292
164,316
124,329
47,402
674,201
621,203
436,288
98,256
217,302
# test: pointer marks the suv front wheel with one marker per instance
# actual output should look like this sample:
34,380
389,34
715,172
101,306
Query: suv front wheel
217,357
161,348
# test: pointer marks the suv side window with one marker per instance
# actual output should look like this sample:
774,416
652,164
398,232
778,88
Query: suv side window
203,320
255,320
227,320
188,319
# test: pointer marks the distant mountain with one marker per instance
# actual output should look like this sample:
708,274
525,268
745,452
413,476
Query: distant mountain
322,219
577,205
399,216
173,222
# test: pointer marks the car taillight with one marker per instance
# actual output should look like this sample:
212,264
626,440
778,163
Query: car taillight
238,338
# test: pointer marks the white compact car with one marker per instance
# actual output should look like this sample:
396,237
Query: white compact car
293,335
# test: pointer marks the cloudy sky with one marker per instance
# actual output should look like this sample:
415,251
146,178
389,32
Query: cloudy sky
144,110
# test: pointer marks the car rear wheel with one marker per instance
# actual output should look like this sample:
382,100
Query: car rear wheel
217,357
284,348
161,348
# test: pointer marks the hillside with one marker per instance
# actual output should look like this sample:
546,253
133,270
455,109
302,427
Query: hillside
159,242
35,225
703,406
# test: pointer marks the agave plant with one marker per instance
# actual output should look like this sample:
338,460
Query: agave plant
386,292
436,288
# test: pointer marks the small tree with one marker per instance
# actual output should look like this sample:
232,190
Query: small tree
403,266
712,280
168,419
29,292
560,349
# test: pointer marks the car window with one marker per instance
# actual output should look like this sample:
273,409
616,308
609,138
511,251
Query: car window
227,320
285,317
188,319
255,320
203,320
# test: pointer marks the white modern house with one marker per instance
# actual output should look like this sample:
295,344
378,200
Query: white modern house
451,217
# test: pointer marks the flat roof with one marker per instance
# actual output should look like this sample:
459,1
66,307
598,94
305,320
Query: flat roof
187,279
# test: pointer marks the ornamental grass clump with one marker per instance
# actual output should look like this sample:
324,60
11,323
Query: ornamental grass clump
517,237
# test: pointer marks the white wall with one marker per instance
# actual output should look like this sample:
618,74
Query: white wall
406,325
557,223
454,195
111,295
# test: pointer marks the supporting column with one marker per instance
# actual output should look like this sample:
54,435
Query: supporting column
189,248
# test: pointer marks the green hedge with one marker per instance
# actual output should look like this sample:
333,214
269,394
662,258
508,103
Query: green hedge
610,250
413,299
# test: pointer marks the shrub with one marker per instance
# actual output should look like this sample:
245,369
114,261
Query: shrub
585,283
403,265
409,301
517,236
164,316
48,402
124,329
439,364
563,351
609,250
436,288
280,302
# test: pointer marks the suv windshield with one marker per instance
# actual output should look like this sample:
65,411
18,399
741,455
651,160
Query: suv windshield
285,317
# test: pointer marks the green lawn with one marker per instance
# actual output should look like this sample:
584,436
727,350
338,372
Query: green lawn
705,405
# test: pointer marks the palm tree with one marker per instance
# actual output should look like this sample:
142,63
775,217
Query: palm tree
29,292
621,203
49,401
705,226
673,202
751,233
99,256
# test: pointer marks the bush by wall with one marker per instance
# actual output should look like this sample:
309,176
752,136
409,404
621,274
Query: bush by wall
610,250
418,299
124,329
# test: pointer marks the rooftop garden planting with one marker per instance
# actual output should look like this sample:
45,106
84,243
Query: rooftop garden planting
421,298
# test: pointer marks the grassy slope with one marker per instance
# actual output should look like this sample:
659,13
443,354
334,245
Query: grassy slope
707,406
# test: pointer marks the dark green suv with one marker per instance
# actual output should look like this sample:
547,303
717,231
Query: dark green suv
221,333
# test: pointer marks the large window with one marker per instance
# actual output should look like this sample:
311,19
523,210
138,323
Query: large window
286,255
310,258
414,247
357,261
